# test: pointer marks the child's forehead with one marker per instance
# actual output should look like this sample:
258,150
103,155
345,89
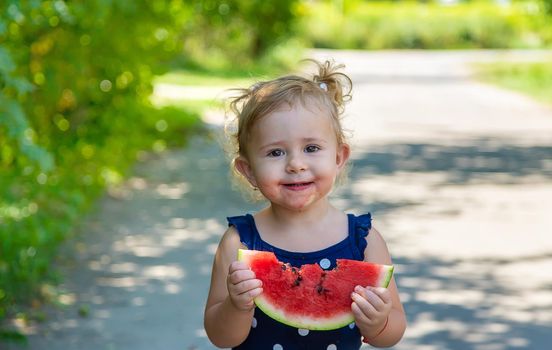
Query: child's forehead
298,111
294,121
298,116
301,106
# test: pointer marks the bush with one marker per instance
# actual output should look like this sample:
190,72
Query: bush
75,81
75,111
221,33
547,6
419,25
534,78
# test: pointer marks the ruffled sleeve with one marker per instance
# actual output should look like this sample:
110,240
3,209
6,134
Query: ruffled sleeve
363,224
242,225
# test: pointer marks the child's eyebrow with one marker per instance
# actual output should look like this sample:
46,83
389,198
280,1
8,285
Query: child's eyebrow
279,143
315,139
271,144
271,147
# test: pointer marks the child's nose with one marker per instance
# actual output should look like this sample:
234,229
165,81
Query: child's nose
296,164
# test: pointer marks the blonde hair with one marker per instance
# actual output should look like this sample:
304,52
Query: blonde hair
329,88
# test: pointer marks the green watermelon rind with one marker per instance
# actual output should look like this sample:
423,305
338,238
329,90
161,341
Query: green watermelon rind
335,322
305,322
386,277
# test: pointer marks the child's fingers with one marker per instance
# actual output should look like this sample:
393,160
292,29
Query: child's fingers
253,293
365,307
237,276
237,265
248,295
244,301
372,298
359,315
247,285
383,293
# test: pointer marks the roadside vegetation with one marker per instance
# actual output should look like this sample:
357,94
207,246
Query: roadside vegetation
373,25
76,112
534,79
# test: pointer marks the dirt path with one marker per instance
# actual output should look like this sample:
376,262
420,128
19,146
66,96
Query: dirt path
458,175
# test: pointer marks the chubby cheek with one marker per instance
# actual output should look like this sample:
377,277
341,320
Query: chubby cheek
265,177
326,171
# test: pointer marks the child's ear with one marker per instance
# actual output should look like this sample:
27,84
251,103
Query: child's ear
342,155
243,167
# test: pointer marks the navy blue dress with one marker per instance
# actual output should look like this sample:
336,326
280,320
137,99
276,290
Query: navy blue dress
270,334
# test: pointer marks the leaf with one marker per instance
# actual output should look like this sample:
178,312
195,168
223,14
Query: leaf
13,336
6,63
38,154
2,27
16,124
21,85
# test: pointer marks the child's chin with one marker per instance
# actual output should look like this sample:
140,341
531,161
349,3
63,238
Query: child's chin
300,205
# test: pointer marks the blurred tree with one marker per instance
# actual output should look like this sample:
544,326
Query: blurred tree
237,30
269,21
65,72
547,6
75,82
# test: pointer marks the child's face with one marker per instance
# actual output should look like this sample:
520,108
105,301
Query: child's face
293,156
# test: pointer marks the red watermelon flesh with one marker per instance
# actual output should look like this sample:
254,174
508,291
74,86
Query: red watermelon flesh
310,297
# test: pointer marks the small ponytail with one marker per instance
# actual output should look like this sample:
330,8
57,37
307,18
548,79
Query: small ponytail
338,85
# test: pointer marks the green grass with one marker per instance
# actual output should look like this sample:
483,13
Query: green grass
268,67
534,79
281,59
194,78
224,77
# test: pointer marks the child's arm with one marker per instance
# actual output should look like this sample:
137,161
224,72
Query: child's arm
378,312
229,308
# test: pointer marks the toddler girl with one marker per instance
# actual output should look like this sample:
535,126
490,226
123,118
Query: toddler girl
291,149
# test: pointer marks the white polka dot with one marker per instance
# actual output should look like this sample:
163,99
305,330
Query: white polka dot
325,263
303,332
331,347
277,347
254,323
352,325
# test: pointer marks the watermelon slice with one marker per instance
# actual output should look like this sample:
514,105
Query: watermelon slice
310,297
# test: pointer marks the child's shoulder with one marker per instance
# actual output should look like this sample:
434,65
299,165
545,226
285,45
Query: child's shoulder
230,241
376,248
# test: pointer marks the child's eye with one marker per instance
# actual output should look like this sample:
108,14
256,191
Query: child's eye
311,148
275,153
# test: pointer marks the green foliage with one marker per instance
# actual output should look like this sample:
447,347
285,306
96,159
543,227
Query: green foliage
75,81
277,59
75,111
221,33
534,79
425,25
547,4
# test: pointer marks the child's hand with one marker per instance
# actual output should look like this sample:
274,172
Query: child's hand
243,287
371,307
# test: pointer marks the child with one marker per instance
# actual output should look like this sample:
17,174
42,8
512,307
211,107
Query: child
291,148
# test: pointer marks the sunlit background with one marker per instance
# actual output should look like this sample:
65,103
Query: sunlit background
114,186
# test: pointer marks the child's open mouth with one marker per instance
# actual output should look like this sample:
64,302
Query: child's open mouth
298,186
